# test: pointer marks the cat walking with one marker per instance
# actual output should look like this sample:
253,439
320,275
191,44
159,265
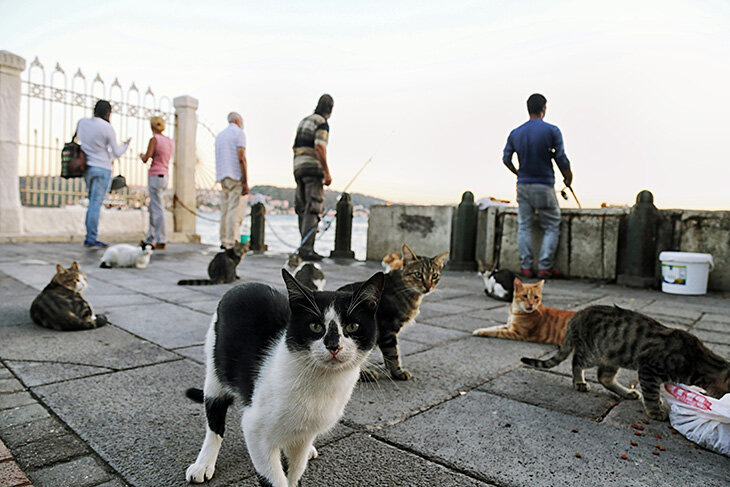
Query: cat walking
293,361
529,320
222,269
403,291
611,337
60,305
125,255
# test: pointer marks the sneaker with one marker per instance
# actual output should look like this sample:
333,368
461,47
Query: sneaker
527,273
159,246
95,244
550,274
310,255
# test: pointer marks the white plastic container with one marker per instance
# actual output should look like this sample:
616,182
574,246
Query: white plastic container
685,272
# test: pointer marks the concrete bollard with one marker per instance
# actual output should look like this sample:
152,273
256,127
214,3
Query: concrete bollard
343,229
258,228
464,235
637,256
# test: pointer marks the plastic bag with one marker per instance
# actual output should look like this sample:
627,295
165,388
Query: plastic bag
701,419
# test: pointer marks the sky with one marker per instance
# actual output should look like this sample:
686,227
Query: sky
429,90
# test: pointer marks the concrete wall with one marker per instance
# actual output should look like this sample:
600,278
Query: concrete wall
67,224
426,229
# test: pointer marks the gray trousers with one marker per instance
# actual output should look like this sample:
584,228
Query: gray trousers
540,199
309,204
156,231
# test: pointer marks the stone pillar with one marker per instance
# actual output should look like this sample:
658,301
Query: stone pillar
464,235
637,259
343,229
258,228
186,126
11,217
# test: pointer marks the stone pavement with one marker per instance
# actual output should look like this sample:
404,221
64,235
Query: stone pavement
107,408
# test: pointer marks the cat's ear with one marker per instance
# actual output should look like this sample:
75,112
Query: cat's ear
539,284
408,254
440,259
517,284
74,266
299,296
60,269
369,293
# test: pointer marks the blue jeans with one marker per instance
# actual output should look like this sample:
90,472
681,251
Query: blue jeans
156,232
98,182
538,198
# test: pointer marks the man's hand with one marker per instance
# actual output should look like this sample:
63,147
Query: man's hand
245,190
568,182
327,179
567,177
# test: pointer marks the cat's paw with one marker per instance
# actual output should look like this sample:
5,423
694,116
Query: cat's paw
313,453
632,394
657,414
199,473
401,374
581,387
368,375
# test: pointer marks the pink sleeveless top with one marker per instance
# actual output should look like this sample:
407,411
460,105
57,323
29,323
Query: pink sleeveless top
161,157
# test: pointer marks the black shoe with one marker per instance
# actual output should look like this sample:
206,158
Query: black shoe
310,256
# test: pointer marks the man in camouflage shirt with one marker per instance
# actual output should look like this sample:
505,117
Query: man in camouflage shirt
311,172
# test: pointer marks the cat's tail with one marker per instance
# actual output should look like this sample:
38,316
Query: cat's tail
565,350
195,282
195,394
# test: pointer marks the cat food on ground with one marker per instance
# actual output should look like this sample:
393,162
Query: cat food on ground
637,433
655,452
661,447
574,430
624,456
633,443
645,421
637,427
578,455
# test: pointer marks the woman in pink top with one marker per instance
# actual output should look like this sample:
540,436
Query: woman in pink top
160,150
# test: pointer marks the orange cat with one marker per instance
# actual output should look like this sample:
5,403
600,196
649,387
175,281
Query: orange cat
529,320
392,262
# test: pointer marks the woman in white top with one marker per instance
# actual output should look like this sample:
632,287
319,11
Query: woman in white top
98,141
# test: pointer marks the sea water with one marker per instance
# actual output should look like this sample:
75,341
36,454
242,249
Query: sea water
282,233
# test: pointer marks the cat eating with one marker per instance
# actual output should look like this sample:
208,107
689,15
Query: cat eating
403,292
222,269
125,255
60,305
611,337
529,320
293,361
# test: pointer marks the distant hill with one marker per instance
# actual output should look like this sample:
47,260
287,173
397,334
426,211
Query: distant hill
330,197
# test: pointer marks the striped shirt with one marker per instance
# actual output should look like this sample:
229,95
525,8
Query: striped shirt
312,130
226,153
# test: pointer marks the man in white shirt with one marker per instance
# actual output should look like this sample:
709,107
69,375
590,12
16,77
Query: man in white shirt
99,143
231,173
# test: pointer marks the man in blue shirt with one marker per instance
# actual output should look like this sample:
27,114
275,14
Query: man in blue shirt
537,143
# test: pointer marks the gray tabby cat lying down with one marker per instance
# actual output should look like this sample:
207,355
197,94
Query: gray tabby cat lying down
611,337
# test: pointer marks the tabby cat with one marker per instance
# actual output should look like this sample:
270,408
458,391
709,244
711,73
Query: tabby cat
60,305
528,319
403,291
308,273
292,362
222,269
611,337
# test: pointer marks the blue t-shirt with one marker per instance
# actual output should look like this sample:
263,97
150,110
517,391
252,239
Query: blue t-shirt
534,142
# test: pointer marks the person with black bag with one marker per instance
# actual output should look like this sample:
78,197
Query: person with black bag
98,142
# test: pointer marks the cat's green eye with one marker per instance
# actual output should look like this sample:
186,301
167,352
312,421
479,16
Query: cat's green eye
352,328
316,327
418,275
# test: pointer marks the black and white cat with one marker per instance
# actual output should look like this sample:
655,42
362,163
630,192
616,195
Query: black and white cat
498,284
292,362
308,273
125,255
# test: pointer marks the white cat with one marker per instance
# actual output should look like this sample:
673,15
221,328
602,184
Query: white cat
292,363
125,255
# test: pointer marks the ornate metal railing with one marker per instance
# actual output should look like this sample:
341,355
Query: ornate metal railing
51,109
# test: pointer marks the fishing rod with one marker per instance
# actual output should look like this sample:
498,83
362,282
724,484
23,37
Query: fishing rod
328,224
565,195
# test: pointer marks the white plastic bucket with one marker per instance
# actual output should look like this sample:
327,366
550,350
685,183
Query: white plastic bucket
685,272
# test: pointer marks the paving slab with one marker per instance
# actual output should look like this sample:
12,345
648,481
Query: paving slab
712,325
165,324
629,413
39,355
469,365
15,399
712,336
552,392
515,444
80,472
49,451
17,436
378,464
21,415
143,414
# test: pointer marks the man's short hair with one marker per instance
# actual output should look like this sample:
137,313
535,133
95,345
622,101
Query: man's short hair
324,105
102,109
535,104
234,117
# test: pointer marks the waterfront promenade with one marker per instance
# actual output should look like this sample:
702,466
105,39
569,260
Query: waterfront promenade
107,408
